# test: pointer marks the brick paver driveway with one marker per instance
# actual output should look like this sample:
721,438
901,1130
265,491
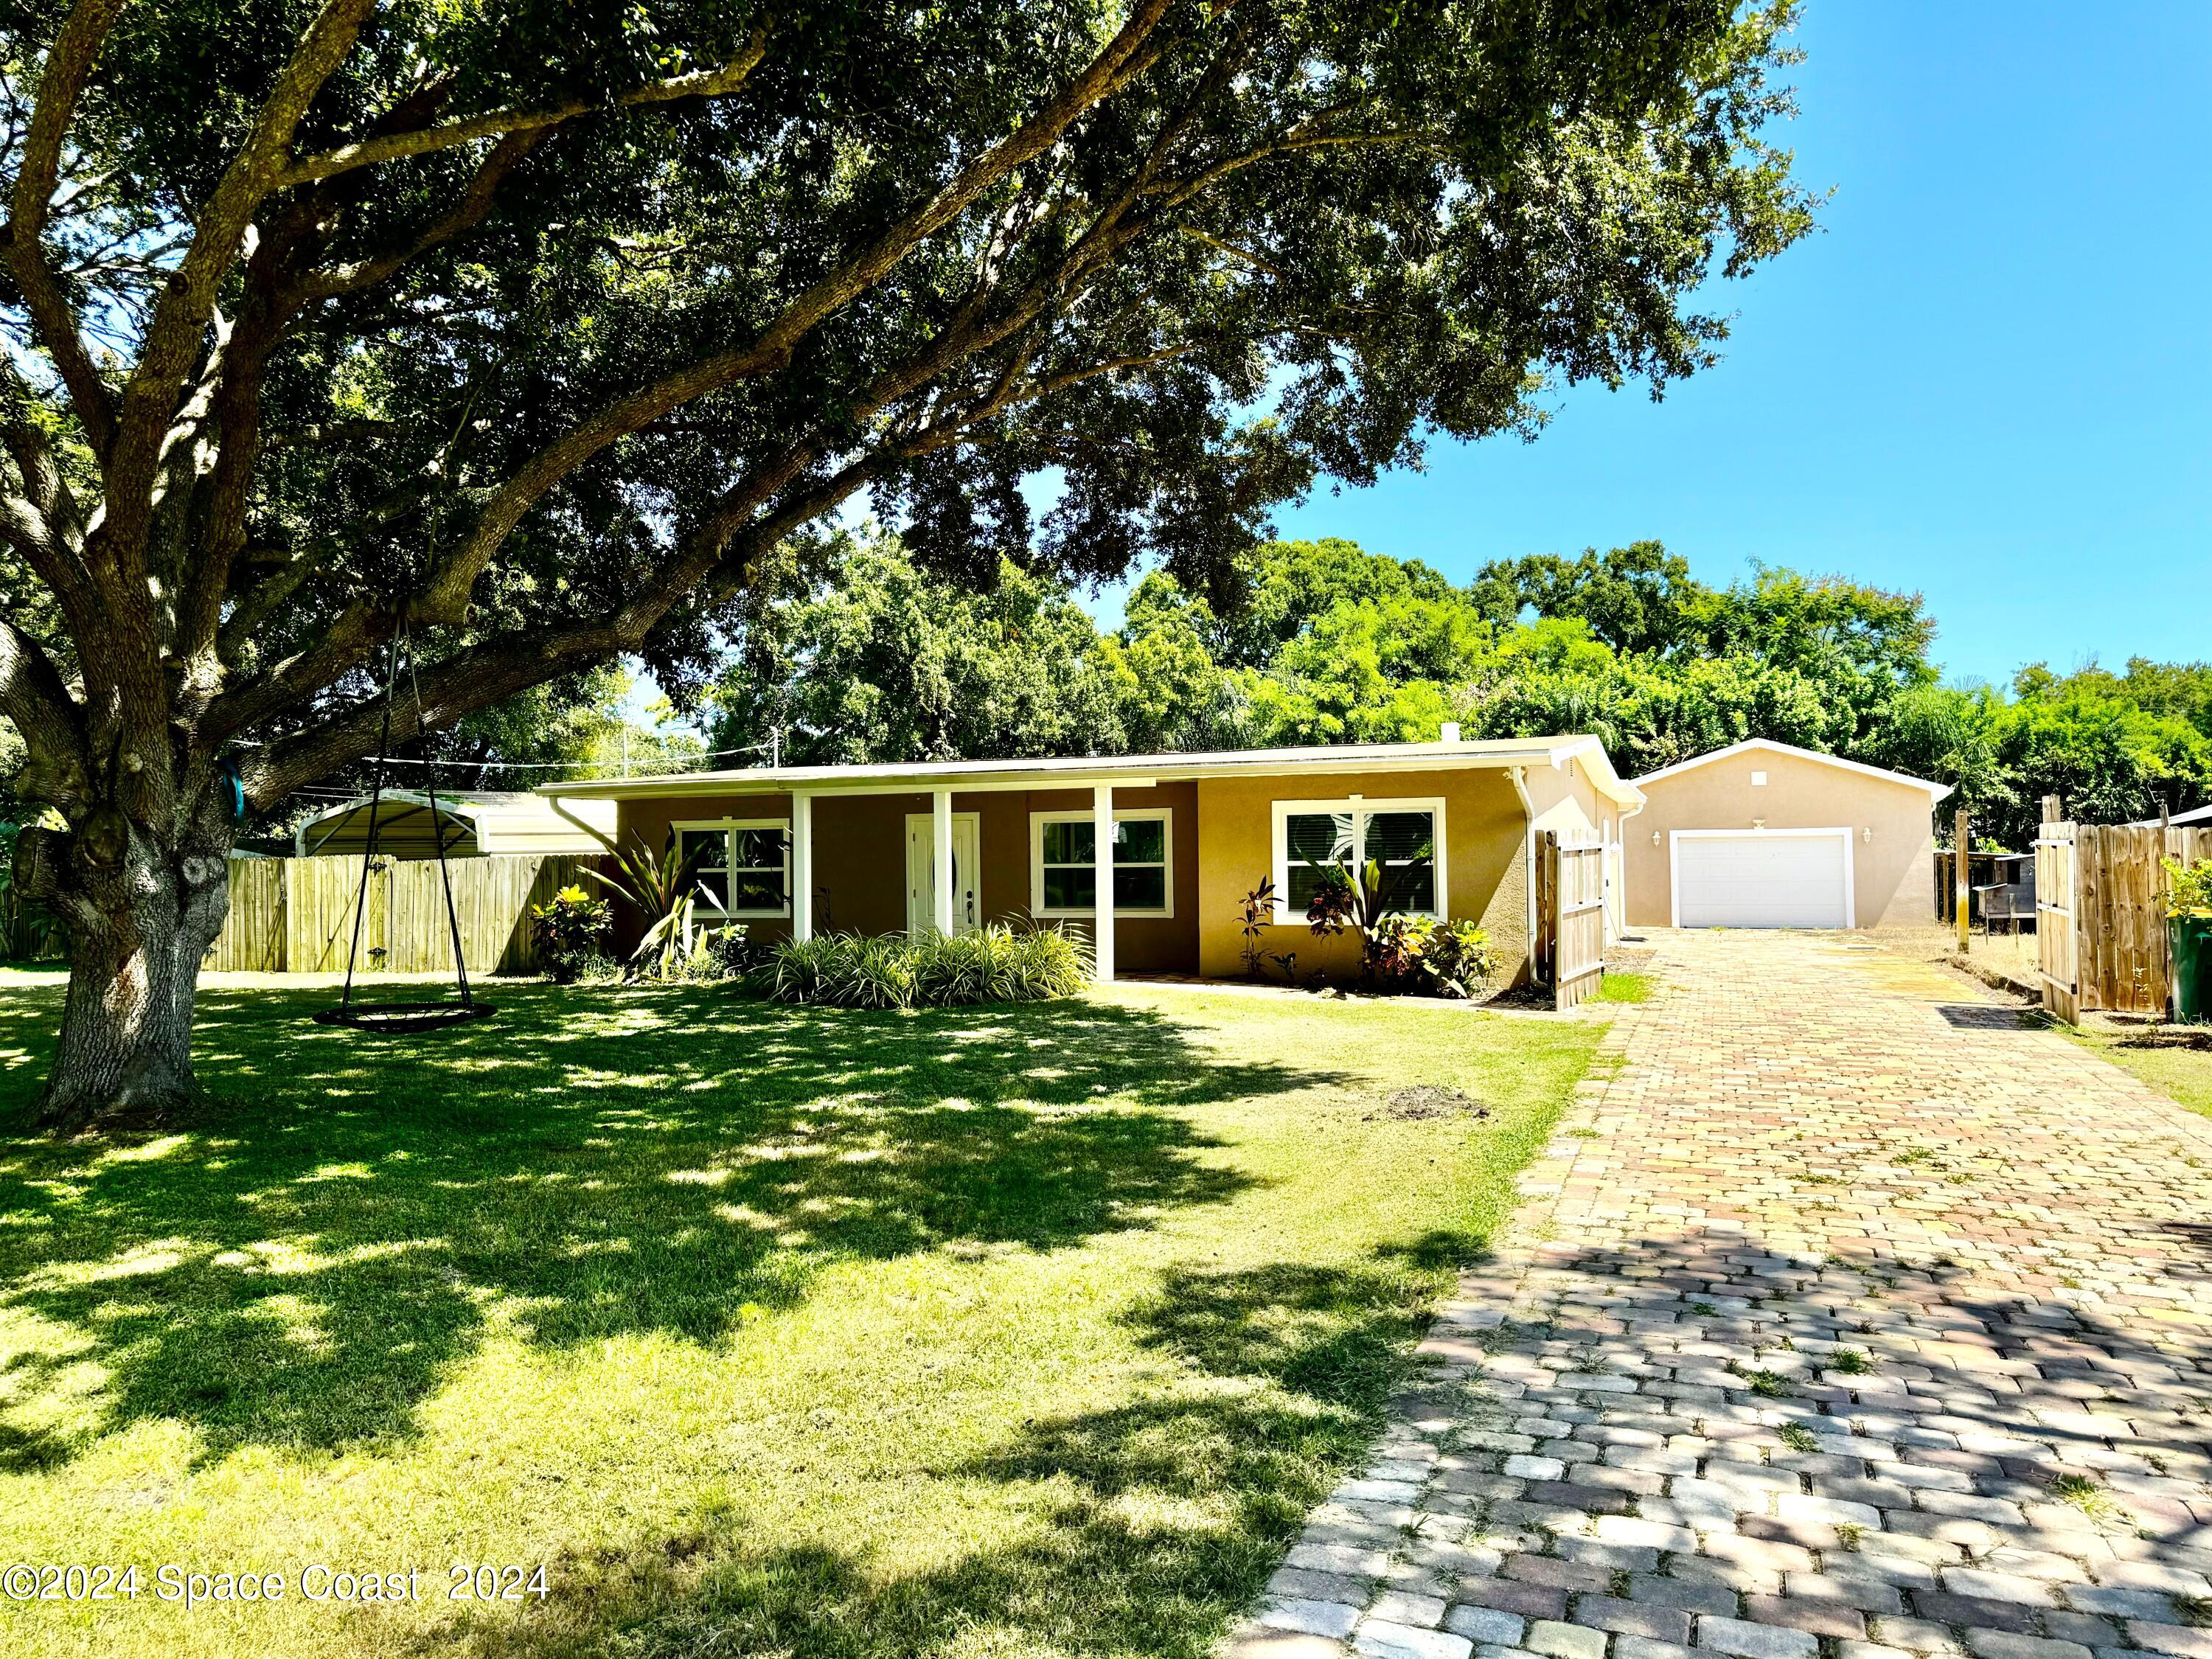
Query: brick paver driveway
1848,1316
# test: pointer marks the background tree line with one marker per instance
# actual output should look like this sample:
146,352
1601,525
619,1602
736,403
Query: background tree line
851,653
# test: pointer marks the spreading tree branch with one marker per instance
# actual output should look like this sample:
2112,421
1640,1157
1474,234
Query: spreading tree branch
474,204
499,667
391,146
220,230
34,695
67,67
354,634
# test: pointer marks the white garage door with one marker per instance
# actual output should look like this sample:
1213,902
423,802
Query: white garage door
1762,881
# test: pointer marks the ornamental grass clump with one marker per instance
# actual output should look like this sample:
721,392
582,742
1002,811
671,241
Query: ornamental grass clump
996,963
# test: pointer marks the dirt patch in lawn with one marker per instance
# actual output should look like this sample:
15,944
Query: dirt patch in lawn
1428,1100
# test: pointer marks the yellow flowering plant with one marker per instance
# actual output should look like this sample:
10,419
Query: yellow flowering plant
2189,890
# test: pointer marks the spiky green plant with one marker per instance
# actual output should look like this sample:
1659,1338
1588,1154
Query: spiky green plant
665,891
995,964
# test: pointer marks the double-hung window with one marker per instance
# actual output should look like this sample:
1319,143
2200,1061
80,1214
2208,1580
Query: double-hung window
1404,839
742,867
1064,865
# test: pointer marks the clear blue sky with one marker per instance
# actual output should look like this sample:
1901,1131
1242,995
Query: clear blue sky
1985,379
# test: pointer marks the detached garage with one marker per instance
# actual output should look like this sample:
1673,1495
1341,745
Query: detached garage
1766,835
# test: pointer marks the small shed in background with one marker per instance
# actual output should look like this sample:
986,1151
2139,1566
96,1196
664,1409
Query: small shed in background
1767,835
474,825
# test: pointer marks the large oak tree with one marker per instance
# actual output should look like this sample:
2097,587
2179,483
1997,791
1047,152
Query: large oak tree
527,326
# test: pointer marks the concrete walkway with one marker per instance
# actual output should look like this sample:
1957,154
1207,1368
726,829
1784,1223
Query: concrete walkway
1847,1318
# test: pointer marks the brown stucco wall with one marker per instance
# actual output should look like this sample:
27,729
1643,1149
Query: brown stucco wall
860,859
1893,887
1224,846
1484,866
1142,945
648,821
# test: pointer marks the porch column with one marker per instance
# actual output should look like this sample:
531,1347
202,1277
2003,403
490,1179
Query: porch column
802,866
940,861
1102,925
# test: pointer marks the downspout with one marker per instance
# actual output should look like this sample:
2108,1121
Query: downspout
1623,822
554,800
1519,774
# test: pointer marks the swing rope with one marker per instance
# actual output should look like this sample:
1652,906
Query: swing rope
403,1016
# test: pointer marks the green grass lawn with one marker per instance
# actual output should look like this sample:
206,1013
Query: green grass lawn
1001,1332
2175,1061
1624,988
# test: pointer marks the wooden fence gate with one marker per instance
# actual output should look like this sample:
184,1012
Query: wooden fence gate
2055,940
1571,917
2101,915
296,916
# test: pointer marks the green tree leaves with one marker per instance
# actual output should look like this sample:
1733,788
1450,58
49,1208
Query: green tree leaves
854,653
1323,642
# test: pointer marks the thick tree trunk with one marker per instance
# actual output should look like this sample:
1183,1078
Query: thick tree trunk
138,929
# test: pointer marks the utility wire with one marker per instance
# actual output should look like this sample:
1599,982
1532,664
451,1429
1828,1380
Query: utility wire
539,766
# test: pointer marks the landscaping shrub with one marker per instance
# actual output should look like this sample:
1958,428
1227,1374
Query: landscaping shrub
572,930
1430,957
665,893
730,951
2189,890
1453,958
995,964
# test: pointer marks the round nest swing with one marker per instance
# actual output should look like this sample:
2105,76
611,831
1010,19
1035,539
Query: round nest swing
402,1018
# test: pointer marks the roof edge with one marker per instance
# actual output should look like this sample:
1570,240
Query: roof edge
1604,776
1070,771
1936,791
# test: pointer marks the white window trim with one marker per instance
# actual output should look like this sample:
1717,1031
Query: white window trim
1676,837
728,826
1122,814
1361,807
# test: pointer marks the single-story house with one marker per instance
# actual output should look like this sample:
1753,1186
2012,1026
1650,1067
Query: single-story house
1767,835
476,825
1178,839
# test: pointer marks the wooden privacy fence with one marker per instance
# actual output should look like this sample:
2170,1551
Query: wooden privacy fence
296,916
27,932
1571,917
2101,915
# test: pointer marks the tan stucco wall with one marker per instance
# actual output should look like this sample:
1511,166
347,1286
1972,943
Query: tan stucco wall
1483,864
1567,802
1562,800
1891,870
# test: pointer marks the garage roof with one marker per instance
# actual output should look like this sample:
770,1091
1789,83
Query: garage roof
1768,746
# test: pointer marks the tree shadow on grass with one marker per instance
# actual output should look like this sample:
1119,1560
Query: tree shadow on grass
349,1213
1170,1511
1152,1523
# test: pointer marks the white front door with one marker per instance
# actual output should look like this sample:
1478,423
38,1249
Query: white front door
921,884
1785,879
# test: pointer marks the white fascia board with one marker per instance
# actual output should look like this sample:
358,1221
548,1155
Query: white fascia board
1768,746
1126,772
